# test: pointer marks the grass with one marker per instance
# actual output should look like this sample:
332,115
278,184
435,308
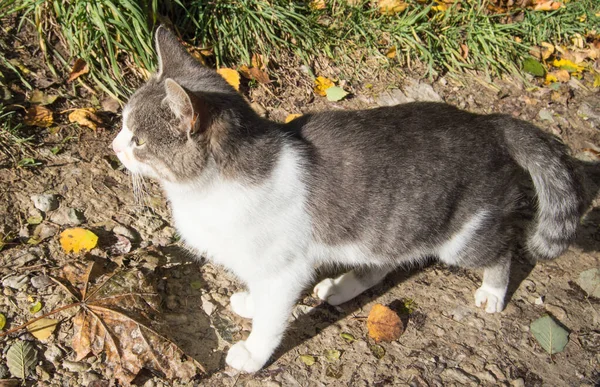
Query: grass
114,36
16,147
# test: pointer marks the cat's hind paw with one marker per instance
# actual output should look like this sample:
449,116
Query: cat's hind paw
240,358
242,304
492,298
333,291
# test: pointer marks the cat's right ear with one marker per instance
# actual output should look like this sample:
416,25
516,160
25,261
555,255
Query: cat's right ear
172,56
180,102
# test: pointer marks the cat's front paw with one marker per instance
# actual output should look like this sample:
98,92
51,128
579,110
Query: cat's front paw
240,358
242,304
493,299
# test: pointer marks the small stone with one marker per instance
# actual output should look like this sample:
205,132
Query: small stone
539,300
45,202
127,232
418,91
44,231
590,110
23,259
16,282
546,115
43,374
460,312
149,383
53,354
208,307
90,377
75,366
41,282
67,216
460,376
259,109
171,302
440,332
392,97
518,383
111,105
300,310
3,371
557,312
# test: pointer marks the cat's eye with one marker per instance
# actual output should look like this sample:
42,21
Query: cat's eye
137,141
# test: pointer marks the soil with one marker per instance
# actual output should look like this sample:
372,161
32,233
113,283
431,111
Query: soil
447,340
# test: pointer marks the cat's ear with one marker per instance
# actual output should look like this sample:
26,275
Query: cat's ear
172,56
180,102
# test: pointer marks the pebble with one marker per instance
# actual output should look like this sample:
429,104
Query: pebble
127,232
418,91
67,216
41,281
53,354
75,366
3,371
392,97
208,307
460,312
90,377
300,310
557,311
15,282
45,202
45,231
546,115
539,300
43,374
23,259
518,383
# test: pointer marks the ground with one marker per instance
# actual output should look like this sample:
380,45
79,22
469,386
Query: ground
447,340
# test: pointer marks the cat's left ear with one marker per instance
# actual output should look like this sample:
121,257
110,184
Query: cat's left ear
180,102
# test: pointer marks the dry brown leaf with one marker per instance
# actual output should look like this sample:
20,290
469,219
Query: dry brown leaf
42,328
231,76
258,61
38,116
391,52
464,51
547,5
391,7
79,68
384,324
115,318
85,117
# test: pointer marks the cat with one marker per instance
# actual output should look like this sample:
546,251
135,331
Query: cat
371,189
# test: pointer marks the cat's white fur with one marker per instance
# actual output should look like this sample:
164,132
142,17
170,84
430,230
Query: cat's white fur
264,235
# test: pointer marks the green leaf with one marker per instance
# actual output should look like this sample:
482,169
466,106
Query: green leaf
377,350
589,281
551,336
348,337
335,93
38,97
34,220
2,321
21,358
308,359
534,67
333,372
196,285
35,307
332,355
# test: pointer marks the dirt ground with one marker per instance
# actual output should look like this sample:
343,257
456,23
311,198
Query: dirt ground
447,342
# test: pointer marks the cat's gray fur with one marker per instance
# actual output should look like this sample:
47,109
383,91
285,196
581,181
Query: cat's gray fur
399,181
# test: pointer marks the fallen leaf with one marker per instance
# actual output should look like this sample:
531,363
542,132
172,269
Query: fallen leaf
115,317
317,4
9,383
348,337
568,65
231,76
40,98
441,7
391,7
596,80
333,371
332,355
2,321
547,50
35,307
77,239
308,359
551,336
258,61
79,68
548,5
377,350
384,324
35,220
292,117
121,246
391,52
534,67
589,280
335,93
558,76
321,85
464,51
259,75
42,328
85,117
196,285
21,359
38,116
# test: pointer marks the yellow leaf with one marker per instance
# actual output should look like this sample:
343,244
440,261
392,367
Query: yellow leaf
596,80
231,76
77,239
567,65
317,4
550,78
391,7
384,324
547,50
322,84
391,52
85,117
42,328
38,116
549,5
2,321
440,7
79,68
292,117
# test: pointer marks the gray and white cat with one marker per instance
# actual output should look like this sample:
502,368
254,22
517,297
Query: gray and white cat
371,189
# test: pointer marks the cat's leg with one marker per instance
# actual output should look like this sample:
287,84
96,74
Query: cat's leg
242,304
338,290
273,297
495,283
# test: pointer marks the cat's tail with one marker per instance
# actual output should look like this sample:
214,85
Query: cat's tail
559,192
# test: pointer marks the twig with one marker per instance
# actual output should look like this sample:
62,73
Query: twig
2,334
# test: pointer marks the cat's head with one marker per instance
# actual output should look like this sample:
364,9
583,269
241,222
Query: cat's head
173,123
